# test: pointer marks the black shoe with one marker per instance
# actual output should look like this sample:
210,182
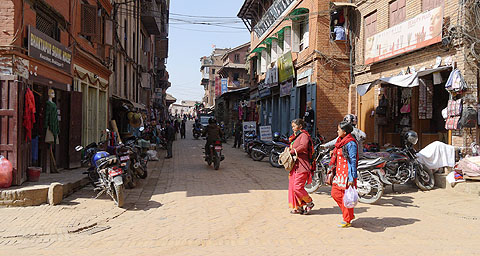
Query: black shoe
167,157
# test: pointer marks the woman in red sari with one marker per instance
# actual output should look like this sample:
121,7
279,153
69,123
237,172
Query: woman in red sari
301,145
345,160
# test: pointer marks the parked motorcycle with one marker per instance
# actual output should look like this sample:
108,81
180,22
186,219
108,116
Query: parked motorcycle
214,154
279,145
402,166
105,173
197,132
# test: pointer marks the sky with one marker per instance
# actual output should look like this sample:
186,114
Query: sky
187,45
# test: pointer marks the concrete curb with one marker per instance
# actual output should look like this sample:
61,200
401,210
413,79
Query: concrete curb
38,194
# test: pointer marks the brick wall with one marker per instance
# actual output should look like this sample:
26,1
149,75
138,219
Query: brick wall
7,10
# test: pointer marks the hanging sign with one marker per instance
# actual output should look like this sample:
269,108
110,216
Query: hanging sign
420,31
285,67
47,49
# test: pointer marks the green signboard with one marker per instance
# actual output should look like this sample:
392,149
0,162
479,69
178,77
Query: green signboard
285,67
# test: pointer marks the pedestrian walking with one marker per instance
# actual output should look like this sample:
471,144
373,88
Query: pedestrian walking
301,146
182,130
170,137
238,135
176,126
309,118
344,160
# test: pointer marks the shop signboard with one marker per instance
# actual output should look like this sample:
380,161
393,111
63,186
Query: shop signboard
271,77
47,49
422,30
249,126
286,88
266,132
285,67
224,85
263,90
218,89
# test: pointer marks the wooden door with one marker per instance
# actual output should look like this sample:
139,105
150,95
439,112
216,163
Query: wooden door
366,121
75,129
9,123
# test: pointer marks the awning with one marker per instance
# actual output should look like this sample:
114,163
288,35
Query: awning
269,40
297,14
407,81
244,89
138,105
344,4
258,49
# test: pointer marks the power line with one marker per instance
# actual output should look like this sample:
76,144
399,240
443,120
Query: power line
208,31
195,16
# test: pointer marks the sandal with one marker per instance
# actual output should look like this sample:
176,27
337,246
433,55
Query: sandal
297,211
308,208
344,224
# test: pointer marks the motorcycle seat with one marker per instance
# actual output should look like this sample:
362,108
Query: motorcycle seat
364,163
279,144
268,143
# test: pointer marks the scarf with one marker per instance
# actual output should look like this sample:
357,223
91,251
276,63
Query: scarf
339,145
310,148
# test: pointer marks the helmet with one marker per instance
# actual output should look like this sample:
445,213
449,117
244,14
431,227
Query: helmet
99,155
411,137
276,136
351,118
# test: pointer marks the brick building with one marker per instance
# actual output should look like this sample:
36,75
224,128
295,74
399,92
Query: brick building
210,65
295,58
404,52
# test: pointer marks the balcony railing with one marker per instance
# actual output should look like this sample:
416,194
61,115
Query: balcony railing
271,15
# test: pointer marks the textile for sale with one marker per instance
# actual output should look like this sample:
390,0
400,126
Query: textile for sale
470,166
437,155
29,114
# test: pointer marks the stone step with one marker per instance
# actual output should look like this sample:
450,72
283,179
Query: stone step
468,187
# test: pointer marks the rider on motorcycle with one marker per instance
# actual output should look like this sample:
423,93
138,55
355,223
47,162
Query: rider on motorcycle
359,135
213,133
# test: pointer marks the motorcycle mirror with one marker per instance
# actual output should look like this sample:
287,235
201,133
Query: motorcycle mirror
107,130
78,148
141,129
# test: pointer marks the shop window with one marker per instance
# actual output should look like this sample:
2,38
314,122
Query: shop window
370,22
47,25
431,4
274,52
337,25
397,12
263,62
89,21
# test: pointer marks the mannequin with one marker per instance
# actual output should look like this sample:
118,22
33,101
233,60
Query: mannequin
51,126
339,31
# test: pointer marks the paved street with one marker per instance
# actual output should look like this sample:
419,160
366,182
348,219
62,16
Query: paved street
187,208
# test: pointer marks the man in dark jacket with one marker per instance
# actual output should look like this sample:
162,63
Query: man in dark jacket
213,133
170,136
309,118
238,135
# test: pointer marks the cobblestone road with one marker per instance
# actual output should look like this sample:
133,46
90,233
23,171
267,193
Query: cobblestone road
187,208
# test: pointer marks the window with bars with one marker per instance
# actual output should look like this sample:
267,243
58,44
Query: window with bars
89,21
47,25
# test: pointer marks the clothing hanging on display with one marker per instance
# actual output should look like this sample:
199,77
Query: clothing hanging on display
51,122
29,114
425,99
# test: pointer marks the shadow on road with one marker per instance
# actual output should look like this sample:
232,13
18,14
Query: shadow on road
336,210
376,224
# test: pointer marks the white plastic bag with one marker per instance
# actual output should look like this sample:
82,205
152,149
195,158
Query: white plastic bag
350,199
152,155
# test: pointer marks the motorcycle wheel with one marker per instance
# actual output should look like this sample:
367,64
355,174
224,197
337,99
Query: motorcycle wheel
424,178
128,180
120,195
316,182
142,172
274,160
369,187
216,162
209,161
256,156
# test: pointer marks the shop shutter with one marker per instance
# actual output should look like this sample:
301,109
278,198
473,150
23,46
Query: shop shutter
75,129
89,20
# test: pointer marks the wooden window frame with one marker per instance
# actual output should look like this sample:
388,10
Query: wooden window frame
89,14
370,24
428,5
397,12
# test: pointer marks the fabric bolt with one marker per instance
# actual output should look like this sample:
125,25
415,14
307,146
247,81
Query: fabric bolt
29,114
297,195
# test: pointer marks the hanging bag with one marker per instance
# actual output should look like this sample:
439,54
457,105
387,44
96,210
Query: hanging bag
287,160
350,199
469,118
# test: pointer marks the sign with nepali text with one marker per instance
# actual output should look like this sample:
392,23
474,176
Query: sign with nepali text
266,132
224,85
47,49
285,67
422,30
